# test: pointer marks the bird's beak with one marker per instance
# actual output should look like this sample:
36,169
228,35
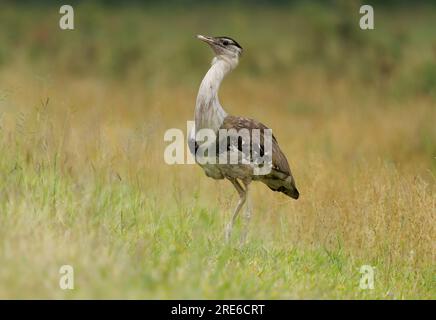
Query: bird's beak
209,40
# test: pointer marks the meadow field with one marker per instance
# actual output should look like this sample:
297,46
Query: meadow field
83,180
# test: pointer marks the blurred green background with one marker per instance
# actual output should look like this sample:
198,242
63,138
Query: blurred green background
153,42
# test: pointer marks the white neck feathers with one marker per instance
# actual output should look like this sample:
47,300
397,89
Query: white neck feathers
208,111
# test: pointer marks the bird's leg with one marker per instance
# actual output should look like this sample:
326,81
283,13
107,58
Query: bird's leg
242,197
247,214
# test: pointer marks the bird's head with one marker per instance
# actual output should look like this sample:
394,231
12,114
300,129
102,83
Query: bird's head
224,48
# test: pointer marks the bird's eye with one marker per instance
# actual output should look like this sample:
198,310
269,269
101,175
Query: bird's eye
225,42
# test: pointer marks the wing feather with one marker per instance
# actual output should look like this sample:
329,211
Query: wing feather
280,179
279,161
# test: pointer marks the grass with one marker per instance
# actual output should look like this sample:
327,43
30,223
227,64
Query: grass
83,181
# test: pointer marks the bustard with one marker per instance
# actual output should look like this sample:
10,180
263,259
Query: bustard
209,114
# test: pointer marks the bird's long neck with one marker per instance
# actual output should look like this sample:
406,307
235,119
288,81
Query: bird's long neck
208,111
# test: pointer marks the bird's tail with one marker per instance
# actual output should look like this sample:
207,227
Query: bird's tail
286,186
293,193
289,188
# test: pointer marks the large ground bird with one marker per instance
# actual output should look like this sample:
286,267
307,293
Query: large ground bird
210,115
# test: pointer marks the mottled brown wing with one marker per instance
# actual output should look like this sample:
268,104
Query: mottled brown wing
279,161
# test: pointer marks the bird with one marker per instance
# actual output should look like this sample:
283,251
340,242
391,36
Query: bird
210,115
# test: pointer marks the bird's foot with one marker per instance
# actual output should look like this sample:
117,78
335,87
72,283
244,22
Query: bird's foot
243,239
228,232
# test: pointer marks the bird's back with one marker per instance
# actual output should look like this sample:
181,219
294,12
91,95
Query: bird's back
280,178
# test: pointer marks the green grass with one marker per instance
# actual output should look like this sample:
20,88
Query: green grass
125,242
